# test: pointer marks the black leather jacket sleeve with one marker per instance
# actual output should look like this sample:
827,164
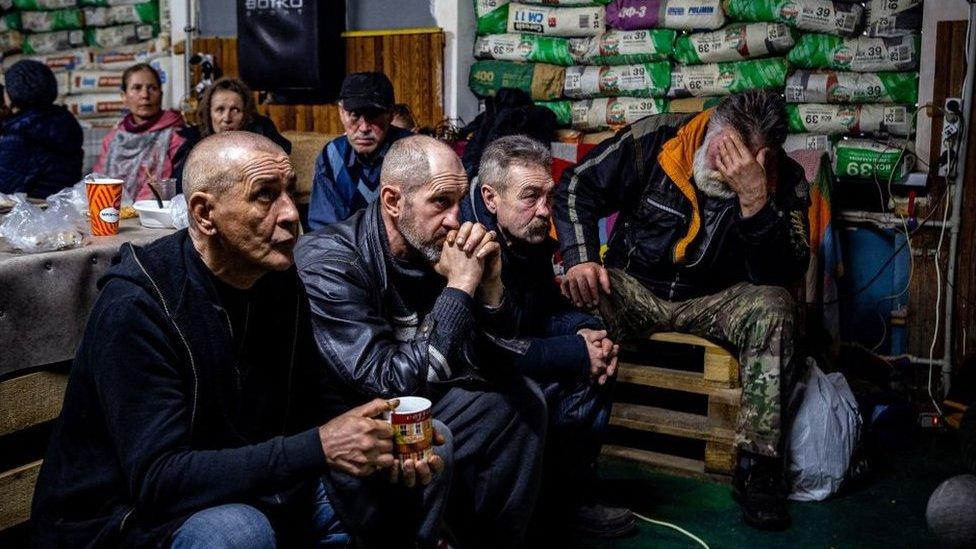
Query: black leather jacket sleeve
356,340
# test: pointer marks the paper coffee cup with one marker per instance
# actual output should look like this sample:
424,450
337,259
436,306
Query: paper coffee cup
104,201
412,429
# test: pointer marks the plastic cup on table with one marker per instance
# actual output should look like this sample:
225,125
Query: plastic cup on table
104,201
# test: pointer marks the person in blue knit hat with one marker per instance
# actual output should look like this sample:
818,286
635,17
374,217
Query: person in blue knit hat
40,142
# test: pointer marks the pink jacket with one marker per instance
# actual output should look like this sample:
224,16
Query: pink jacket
138,158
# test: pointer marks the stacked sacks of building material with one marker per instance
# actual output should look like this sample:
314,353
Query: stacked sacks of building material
859,92
527,46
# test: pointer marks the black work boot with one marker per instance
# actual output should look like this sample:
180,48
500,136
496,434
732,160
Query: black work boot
602,521
759,487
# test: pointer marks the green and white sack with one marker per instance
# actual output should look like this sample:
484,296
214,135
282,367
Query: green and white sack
47,21
491,16
11,41
556,21
613,112
734,42
524,47
541,81
121,35
727,78
869,159
139,14
852,87
861,54
563,109
617,47
38,5
10,21
50,42
834,17
692,104
893,17
640,80
837,119
807,142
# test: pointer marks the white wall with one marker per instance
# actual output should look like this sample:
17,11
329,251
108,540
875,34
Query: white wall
456,17
934,11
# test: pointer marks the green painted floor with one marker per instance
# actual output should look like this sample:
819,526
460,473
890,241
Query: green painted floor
886,511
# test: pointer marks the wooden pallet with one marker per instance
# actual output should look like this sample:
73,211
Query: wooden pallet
717,380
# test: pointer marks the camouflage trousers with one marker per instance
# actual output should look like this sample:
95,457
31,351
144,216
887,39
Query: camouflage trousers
756,320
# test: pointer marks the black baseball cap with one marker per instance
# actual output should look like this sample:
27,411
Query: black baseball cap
366,90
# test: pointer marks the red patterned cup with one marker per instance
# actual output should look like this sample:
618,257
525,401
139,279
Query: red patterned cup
412,429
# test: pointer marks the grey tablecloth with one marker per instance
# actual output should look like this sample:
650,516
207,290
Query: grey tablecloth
45,298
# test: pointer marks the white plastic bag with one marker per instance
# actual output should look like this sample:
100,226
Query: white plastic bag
30,229
825,431
179,212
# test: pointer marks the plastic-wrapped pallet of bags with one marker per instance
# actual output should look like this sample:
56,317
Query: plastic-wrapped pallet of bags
40,5
47,21
11,41
893,17
10,21
524,47
870,159
112,37
95,81
669,14
556,20
734,42
807,142
837,119
830,16
95,105
613,112
51,42
140,14
542,82
617,47
861,54
852,87
640,80
727,78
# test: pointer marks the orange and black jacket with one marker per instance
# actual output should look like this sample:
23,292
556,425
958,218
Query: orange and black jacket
678,242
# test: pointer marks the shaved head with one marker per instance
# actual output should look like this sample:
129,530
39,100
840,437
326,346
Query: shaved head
215,163
408,162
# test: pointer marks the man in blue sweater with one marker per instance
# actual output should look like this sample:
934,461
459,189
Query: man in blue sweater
347,172
566,351
196,415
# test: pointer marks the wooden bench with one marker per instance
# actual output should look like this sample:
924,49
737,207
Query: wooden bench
25,401
712,381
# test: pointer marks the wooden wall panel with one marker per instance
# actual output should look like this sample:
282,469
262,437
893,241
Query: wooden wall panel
414,61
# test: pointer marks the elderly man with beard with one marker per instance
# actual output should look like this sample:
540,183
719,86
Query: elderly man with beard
712,224
406,300
564,350
196,413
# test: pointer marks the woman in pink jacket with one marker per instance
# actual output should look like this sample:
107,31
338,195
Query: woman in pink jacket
140,149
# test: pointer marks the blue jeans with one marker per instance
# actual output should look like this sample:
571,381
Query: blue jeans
241,526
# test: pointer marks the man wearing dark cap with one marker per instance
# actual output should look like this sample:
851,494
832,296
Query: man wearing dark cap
347,173
40,152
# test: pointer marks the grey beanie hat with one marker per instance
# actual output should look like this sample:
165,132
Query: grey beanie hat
30,83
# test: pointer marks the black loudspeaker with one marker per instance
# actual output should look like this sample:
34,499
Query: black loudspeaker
292,48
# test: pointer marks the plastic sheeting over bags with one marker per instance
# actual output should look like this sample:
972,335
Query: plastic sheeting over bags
824,434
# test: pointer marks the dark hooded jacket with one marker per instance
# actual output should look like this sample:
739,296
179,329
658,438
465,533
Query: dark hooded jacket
167,412
547,321
40,151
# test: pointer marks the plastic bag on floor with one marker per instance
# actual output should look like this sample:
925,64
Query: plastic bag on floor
825,431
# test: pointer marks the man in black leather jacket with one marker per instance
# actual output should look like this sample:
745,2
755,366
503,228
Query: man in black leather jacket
408,301
713,222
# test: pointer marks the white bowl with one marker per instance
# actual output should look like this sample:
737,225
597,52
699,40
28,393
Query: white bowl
152,216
